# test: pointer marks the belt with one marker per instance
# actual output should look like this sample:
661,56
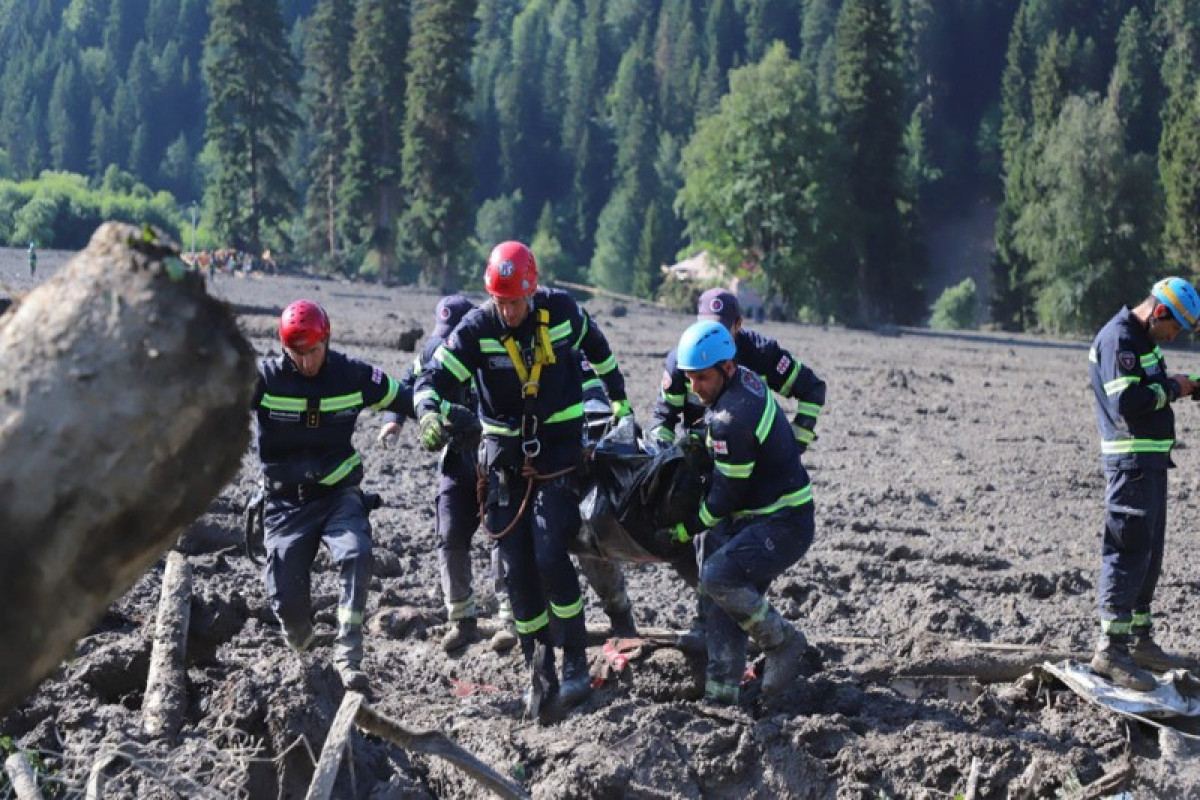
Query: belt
300,492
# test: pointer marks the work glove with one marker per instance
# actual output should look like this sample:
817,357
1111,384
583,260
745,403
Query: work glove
254,533
433,431
804,434
464,428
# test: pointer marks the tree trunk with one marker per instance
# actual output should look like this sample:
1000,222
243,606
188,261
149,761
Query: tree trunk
123,411
166,685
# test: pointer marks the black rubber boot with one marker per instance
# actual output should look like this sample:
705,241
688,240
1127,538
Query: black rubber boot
621,624
576,682
1147,653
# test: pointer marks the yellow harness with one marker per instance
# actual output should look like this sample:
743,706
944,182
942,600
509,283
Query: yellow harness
543,353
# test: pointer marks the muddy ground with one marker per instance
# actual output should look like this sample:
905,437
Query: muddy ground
958,502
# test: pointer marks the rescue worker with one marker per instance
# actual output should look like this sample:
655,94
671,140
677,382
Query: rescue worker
307,403
755,521
1133,395
761,354
519,348
32,260
457,504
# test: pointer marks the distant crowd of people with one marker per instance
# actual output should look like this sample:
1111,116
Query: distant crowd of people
230,260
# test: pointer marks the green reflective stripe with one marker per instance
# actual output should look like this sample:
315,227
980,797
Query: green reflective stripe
416,365
348,616
570,412
583,329
463,609
1122,446
765,421
803,435
392,391
662,433
341,402
789,500
809,409
492,429
492,347
606,366
1160,394
344,469
426,394
706,517
560,331
787,385
676,400
734,470
451,362
1118,385
569,611
721,692
1092,357
532,625
1115,627
756,617
1150,359
1141,619
277,403
593,383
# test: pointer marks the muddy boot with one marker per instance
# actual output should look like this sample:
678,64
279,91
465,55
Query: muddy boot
543,683
720,694
299,640
1113,661
621,624
353,678
1146,653
783,662
461,633
505,638
576,682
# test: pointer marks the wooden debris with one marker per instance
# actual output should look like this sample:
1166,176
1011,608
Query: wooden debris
20,775
336,740
166,686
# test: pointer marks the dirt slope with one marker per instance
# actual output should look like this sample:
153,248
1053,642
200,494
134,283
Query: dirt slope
958,499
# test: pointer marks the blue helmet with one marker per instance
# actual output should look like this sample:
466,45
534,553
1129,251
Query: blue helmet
1180,297
704,344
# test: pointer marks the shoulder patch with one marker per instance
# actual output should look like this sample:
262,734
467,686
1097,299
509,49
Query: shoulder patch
753,383
1127,359
720,447
782,366
376,375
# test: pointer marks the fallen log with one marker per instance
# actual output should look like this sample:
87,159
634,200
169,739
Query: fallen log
166,689
336,740
123,411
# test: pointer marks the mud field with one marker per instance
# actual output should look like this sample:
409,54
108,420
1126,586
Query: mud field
958,507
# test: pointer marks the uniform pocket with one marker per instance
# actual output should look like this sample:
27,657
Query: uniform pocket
1126,493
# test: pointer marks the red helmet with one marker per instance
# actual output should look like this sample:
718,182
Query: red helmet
511,271
303,325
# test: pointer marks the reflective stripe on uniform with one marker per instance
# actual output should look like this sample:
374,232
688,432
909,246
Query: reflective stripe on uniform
569,611
803,435
491,347
560,331
1115,627
1150,359
593,383
1160,395
606,366
583,329
789,500
1141,619
706,517
463,609
765,421
1118,385
344,469
758,615
451,362
1092,357
675,400
341,402
532,625
348,616
278,403
493,429
791,378
1118,447
734,470
568,413
809,409
392,390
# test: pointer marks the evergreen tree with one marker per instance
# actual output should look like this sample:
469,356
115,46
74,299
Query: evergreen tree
870,129
1177,22
1135,91
436,173
370,200
720,49
67,125
251,79
327,61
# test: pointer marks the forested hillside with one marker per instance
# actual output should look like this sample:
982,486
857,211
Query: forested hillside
811,144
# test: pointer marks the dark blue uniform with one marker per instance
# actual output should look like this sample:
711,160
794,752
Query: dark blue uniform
543,585
1133,396
763,356
759,513
311,474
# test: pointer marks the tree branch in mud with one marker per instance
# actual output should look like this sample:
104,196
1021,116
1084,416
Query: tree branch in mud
123,411
20,775
166,689
355,710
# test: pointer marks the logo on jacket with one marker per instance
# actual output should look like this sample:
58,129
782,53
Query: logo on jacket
720,447
753,383
782,366
1127,360
376,375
